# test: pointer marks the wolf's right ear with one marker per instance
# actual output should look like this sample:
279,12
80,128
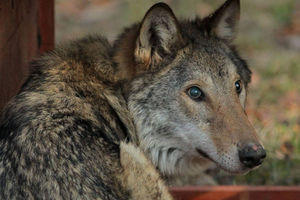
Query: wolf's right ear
159,34
223,22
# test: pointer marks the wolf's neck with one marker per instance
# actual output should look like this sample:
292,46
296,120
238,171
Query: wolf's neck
119,104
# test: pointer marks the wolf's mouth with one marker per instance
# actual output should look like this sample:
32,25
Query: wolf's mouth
202,153
205,155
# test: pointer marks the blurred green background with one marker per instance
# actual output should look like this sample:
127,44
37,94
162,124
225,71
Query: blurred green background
269,39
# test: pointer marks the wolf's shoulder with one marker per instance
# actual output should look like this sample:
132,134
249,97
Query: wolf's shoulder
87,50
67,82
87,58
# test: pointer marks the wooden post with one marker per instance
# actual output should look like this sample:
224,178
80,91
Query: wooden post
26,30
236,193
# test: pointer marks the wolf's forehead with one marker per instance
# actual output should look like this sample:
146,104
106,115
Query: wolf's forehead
210,62
207,56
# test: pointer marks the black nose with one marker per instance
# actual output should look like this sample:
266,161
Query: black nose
252,155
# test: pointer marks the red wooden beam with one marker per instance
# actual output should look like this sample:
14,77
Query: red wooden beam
46,25
26,30
236,193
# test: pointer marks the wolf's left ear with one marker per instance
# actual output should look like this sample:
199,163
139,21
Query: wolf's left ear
224,21
159,34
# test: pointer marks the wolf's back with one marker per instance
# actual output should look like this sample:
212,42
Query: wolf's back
59,135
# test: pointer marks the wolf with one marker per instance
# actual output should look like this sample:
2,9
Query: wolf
96,120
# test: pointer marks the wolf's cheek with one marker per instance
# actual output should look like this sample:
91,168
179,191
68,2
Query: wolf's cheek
242,97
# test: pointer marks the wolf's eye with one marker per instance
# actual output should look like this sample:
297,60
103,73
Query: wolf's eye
195,93
238,86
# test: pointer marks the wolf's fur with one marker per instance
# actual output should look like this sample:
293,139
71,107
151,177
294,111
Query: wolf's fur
139,175
80,125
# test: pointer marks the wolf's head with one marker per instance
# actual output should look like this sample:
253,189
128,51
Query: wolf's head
188,89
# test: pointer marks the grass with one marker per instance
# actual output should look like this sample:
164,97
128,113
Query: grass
274,98
274,95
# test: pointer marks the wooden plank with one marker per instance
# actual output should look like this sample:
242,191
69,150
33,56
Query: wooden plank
18,44
236,193
26,29
46,25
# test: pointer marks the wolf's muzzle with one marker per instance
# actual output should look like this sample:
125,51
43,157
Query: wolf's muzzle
252,155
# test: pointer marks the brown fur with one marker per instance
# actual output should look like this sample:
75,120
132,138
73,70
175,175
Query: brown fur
140,177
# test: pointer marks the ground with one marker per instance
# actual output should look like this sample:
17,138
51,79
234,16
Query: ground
269,39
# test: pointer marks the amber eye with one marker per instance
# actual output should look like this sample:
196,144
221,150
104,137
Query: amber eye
238,86
195,93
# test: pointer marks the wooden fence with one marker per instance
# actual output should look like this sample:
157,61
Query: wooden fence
236,193
27,29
